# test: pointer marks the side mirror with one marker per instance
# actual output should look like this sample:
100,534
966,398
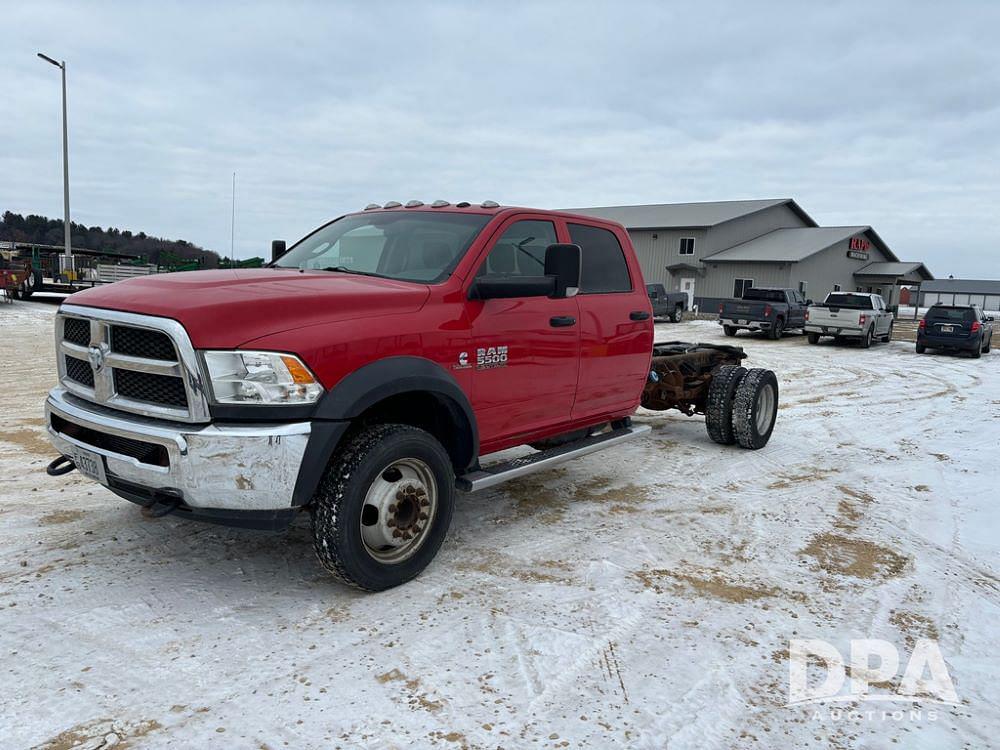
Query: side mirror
562,262
989,319
278,249
510,287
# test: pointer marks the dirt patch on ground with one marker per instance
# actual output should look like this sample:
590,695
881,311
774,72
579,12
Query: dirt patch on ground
61,516
711,584
417,699
101,733
913,626
854,557
625,499
29,439
788,480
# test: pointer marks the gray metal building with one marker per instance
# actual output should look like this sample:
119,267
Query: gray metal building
982,292
714,250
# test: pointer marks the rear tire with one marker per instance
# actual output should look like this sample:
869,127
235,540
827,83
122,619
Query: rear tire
978,351
921,348
776,330
888,334
729,330
989,345
755,408
383,507
719,404
813,338
676,314
866,340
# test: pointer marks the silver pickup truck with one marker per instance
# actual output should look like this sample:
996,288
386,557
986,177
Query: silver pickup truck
850,315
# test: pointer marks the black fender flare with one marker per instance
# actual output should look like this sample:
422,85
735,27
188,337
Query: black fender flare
364,388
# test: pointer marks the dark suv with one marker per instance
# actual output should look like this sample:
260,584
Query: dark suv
955,327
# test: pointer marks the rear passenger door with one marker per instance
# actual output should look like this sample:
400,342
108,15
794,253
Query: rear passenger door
616,327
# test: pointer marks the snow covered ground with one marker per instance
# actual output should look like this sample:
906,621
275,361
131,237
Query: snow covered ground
643,597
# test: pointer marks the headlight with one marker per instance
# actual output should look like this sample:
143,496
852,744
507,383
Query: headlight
260,378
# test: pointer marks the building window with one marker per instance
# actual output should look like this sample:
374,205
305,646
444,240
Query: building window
836,287
858,289
740,286
803,286
687,245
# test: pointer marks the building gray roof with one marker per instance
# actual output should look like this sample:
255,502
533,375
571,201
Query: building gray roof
684,215
792,244
896,270
962,286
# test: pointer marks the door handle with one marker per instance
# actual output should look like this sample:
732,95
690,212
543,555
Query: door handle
562,321
638,315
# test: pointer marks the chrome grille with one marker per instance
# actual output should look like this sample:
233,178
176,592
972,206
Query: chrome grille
136,363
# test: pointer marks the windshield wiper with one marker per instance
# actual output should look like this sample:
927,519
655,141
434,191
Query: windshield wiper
345,269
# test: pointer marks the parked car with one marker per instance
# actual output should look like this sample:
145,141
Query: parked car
368,372
771,310
850,315
956,328
667,304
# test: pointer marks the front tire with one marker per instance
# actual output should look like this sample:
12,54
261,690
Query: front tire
719,403
382,510
755,408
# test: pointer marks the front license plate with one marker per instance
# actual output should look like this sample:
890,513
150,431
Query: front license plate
947,329
90,464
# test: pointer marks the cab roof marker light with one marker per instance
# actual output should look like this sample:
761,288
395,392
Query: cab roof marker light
440,204
414,204
392,204
372,206
463,204
489,204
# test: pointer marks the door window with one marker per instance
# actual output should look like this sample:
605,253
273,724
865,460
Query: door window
603,267
520,251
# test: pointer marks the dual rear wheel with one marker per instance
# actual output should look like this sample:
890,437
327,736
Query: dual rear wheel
742,406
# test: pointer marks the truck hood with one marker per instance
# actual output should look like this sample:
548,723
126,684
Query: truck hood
227,308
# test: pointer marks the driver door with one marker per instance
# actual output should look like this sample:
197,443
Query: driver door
525,352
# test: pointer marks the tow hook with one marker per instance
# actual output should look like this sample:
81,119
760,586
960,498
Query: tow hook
158,509
60,466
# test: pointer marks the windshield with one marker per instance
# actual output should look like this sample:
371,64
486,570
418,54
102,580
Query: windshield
764,295
857,301
404,245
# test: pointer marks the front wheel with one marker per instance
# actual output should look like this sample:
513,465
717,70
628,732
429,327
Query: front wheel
383,507
813,338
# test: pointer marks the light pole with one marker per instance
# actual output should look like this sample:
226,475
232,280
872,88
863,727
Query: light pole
69,248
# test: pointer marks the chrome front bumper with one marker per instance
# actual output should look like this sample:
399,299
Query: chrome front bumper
233,467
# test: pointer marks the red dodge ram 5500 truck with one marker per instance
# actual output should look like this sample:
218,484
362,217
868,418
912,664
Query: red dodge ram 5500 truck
364,374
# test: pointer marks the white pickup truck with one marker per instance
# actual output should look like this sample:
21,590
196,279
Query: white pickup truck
850,315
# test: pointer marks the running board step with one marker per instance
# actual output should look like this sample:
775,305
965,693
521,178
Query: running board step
519,467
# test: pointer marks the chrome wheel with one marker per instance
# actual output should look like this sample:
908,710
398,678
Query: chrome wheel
765,409
398,509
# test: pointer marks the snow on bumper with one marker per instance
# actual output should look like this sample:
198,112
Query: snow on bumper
220,466
753,325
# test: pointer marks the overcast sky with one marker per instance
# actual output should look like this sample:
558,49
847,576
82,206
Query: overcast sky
882,113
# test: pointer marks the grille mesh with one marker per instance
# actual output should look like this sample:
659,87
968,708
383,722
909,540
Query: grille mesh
142,342
145,386
79,370
76,331
147,453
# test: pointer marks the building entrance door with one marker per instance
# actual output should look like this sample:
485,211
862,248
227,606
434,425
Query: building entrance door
687,286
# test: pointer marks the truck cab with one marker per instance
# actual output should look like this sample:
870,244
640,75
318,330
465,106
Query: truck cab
361,376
